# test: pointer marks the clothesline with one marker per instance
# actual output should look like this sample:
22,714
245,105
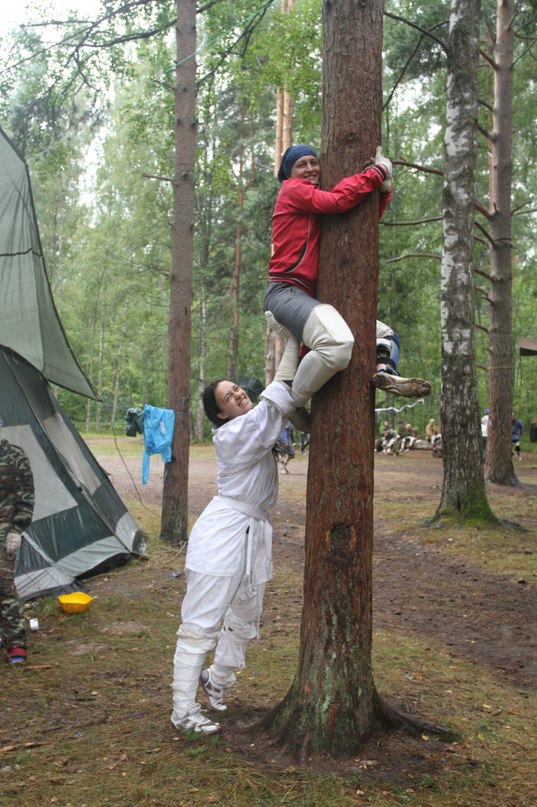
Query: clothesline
400,409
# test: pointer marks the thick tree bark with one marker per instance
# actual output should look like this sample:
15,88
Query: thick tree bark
463,491
174,522
331,703
501,373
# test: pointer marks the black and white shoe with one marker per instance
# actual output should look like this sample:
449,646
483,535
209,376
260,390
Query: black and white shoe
215,693
197,721
405,387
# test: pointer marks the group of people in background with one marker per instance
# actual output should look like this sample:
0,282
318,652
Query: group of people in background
393,441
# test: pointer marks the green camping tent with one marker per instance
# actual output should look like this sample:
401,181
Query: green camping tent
80,524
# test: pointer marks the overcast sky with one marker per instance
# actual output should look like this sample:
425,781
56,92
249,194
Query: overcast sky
13,12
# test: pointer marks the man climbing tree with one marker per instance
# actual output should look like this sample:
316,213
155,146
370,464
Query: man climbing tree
331,703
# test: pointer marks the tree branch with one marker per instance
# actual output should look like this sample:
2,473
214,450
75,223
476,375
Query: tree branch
155,176
435,255
423,31
488,59
409,223
423,168
516,209
485,132
484,212
482,273
484,293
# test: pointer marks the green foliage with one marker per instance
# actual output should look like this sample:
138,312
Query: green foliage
98,135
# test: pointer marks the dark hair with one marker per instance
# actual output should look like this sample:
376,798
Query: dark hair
209,403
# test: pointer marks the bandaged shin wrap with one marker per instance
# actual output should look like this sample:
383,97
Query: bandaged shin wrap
193,644
231,650
330,341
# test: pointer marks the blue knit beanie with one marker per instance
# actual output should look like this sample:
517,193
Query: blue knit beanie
290,157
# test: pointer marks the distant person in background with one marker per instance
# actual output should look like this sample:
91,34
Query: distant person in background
287,440
431,430
484,432
517,427
391,441
17,497
379,443
410,437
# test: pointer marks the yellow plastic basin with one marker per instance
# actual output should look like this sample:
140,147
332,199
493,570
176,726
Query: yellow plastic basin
75,603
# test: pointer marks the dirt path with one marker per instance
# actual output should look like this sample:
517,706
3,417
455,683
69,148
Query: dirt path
418,587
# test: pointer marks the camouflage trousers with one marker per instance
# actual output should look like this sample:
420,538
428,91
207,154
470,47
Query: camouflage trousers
12,628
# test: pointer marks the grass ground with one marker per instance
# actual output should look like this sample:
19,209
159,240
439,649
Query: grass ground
86,723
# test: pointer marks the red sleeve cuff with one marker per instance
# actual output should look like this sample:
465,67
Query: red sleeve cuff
381,171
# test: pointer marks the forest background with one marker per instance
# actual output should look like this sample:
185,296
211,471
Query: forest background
90,104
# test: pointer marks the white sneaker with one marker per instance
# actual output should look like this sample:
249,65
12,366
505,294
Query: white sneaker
215,693
196,721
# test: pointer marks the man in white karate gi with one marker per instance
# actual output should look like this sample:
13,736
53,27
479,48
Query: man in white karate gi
229,556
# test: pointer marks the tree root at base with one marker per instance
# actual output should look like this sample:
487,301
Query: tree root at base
390,718
300,745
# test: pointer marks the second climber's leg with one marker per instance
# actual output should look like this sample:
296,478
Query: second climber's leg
386,376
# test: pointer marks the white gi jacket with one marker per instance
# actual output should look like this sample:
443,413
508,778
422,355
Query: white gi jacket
247,482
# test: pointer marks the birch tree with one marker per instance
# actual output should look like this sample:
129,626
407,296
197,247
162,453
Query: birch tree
463,490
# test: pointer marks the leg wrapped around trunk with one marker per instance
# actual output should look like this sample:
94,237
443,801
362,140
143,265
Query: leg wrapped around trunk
330,341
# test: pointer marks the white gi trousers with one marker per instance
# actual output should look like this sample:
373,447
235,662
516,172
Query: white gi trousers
222,613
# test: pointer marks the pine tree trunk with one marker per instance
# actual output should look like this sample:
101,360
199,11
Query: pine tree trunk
331,703
174,522
99,410
202,356
274,344
236,272
501,346
463,491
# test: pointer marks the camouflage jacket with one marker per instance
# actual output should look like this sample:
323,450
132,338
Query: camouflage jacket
17,492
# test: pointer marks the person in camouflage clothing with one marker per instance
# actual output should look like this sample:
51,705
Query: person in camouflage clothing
17,496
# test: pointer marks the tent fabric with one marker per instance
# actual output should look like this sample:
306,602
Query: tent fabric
29,324
80,523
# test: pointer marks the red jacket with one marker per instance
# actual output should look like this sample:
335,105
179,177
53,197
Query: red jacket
295,224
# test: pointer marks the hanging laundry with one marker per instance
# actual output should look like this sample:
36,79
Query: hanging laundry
158,436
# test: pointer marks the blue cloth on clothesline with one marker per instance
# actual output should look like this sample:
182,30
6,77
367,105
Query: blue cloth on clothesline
158,436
